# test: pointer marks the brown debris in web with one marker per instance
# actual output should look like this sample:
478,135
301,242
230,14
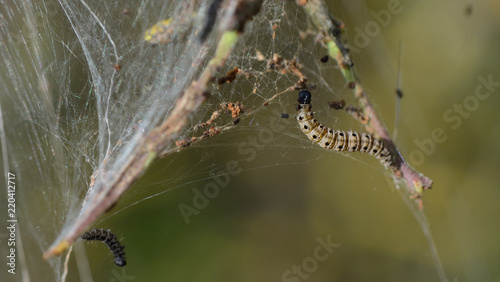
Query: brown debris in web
277,63
215,115
187,142
337,104
184,143
236,109
303,84
357,114
229,77
283,66
212,131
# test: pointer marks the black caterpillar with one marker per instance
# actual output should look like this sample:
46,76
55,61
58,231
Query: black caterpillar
211,18
109,239
338,140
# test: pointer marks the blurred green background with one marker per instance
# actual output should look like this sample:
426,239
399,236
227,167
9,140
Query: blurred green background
273,214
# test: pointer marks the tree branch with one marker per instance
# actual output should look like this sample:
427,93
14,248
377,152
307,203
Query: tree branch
322,19
107,190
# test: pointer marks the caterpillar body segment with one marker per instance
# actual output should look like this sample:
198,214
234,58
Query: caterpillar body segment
337,140
110,240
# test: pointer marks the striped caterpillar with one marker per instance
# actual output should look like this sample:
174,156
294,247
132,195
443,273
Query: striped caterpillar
109,239
338,140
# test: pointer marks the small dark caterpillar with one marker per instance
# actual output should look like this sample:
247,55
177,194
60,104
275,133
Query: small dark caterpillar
337,140
211,18
109,239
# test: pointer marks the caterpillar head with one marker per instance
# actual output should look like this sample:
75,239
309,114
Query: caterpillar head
304,97
120,261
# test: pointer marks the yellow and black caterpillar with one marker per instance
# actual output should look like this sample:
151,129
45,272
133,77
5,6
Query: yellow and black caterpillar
109,239
338,140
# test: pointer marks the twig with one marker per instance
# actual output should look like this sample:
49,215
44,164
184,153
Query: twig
415,181
106,191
